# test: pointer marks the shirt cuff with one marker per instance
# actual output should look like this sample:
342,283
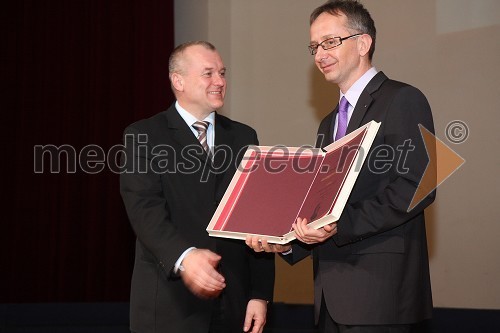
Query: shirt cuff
178,264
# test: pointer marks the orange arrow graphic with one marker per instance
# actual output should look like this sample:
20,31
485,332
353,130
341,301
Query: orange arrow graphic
443,162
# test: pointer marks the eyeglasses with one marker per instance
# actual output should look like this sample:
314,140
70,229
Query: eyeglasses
330,43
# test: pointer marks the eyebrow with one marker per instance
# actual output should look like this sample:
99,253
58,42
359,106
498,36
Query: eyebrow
211,69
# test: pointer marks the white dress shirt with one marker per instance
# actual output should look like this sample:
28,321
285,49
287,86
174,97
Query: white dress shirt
352,95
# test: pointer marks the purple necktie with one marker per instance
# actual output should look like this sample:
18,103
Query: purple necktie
342,118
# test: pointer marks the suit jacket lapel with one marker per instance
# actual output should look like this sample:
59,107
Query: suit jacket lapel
325,131
223,141
364,101
182,134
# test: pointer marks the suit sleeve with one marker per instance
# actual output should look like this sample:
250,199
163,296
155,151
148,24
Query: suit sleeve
142,194
385,201
262,275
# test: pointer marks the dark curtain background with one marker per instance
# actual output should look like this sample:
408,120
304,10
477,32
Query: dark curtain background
79,71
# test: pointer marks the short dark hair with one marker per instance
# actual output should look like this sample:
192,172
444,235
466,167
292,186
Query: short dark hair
359,19
173,61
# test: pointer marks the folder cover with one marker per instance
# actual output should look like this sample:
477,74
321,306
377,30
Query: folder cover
275,185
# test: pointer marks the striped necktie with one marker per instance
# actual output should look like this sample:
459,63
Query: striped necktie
201,127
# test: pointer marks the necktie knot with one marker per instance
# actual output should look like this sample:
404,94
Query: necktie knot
342,118
201,126
343,105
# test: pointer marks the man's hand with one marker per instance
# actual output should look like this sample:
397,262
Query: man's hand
260,244
255,317
200,274
310,235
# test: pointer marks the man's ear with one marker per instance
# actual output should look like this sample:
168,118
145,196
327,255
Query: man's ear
364,44
177,81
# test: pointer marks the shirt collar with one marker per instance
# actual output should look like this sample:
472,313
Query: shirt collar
352,95
190,119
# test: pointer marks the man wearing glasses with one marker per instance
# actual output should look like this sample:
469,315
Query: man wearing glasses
371,269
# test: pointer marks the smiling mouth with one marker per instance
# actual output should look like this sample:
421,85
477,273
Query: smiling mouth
327,67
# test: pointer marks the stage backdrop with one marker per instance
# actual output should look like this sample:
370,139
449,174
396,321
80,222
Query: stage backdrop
81,71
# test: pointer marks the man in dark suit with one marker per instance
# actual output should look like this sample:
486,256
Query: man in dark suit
177,167
371,270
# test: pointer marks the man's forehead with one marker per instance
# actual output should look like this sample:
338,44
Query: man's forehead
203,60
327,26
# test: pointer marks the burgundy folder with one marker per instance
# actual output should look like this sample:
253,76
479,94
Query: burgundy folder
275,185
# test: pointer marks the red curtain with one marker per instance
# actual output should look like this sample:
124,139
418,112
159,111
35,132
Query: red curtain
82,71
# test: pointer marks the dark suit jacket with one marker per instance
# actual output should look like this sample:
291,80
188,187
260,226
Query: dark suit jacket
170,193
375,270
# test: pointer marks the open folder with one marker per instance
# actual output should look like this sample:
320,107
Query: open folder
275,185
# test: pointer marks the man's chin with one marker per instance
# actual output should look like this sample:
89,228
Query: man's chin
330,77
218,105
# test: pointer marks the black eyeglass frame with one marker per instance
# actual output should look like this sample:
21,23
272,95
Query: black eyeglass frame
313,49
